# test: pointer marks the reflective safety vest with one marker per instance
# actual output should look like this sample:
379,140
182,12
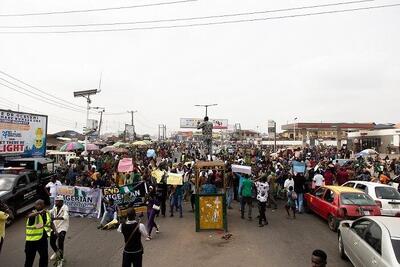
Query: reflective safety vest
35,232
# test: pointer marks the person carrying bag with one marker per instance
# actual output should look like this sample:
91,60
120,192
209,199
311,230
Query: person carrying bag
133,248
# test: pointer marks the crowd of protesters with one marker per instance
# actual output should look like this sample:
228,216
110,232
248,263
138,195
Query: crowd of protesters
272,177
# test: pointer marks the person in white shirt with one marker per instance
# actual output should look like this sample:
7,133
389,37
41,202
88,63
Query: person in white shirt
52,189
262,197
60,218
288,183
318,180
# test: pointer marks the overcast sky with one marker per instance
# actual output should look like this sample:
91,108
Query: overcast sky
334,67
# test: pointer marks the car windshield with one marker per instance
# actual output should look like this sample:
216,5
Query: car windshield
387,193
396,248
359,199
6,183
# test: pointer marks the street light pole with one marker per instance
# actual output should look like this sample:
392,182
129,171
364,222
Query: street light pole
132,112
86,94
294,129
206,106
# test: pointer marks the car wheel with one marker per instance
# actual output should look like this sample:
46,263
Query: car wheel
332,223
341,247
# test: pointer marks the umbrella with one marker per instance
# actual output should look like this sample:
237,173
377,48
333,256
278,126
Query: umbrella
369,151
108,149
151,153
92,147
139,143
121,150
366,153
114,149
120,144
72,146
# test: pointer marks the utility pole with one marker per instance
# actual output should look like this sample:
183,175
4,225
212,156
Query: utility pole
101,117
132,112
86,94
294,129
162,132
206,106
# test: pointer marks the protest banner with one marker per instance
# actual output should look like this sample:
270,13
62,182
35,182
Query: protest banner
241,169
158,175
81,201
174,179
298,167
125,165
132,195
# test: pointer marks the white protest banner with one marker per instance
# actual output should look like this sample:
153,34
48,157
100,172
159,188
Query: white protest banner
241,169
174,179
81,201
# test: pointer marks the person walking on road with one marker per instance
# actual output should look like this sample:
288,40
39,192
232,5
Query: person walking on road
60,217
132,232
153,207
38,228
319,258
51,188
299,188
5,214
246,194
262,197
291,202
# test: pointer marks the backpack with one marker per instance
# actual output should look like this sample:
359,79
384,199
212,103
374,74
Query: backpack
294,196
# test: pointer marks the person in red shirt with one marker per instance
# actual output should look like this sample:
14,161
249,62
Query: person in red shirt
342,176
329,177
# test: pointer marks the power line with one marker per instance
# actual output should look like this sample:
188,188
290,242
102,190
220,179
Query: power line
115,114
205,23
44,97
94,10
185,19
39,90
39,98
40,112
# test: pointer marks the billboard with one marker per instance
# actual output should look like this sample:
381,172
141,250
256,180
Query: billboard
22,134
129,132
271,128
219,124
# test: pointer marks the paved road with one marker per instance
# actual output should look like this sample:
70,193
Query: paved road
283,243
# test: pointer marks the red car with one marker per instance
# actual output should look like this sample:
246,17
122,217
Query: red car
336,203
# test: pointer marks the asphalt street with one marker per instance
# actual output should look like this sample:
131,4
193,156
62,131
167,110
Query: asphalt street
284,242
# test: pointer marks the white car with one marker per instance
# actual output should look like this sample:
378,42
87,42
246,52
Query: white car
370,241
387,198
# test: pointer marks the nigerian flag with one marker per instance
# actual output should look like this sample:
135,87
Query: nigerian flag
79,193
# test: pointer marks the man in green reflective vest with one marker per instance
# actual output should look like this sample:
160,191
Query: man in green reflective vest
38,229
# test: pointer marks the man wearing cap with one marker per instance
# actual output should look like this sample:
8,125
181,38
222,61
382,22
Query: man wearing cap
60,217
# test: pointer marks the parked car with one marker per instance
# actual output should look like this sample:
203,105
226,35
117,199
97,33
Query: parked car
370,241
337,203
20,188
387,198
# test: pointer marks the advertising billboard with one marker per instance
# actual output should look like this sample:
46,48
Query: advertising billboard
22,134
129,132
192,123
271,128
